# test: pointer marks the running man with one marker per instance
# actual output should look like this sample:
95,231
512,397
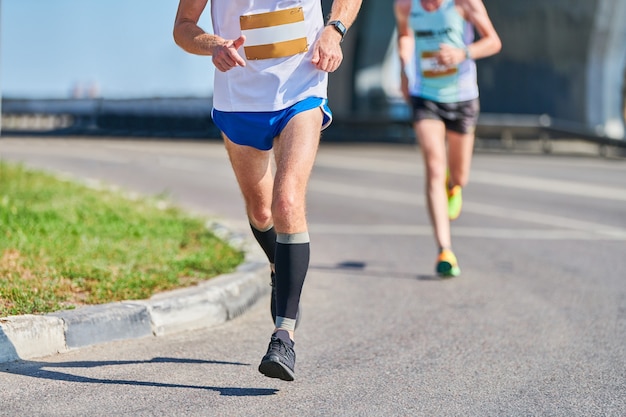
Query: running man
437,53
270,101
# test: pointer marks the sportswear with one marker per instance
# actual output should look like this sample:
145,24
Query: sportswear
259,129
455,202
279,361
429,79
273,301
269,83
447,265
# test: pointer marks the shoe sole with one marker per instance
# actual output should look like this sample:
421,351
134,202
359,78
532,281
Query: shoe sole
272,368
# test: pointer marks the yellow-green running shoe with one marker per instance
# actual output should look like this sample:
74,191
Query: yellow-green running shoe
447,265
455,202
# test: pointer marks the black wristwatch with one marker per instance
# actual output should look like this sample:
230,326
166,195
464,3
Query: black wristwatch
339,27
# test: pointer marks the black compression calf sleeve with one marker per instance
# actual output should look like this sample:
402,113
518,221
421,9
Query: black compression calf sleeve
267,241
292,264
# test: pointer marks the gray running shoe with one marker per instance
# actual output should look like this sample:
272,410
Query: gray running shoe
279,361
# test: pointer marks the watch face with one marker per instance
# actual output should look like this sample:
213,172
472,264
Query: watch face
339,26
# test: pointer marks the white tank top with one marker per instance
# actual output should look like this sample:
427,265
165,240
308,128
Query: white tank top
287,29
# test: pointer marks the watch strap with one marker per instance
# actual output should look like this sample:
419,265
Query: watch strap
339,27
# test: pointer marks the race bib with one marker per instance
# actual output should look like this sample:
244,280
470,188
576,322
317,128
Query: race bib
274,34
432,69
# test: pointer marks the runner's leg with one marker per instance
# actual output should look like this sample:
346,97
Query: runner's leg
431,136
295,150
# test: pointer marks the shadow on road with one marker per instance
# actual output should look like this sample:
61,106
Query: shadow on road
38,370
359,268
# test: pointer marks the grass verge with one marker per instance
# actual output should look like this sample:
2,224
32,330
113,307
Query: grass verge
63,245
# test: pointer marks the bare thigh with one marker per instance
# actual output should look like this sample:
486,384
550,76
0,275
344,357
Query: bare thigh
295,151
253,170
431,135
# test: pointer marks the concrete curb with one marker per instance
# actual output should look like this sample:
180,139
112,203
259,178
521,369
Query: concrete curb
208,304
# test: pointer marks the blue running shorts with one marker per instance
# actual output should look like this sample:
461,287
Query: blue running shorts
258,129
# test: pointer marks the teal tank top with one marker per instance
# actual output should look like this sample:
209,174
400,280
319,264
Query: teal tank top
431,80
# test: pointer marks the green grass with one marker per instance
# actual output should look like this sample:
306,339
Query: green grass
64,245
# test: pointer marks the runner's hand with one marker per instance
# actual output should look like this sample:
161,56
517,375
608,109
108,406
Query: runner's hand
450,56
226,57
327,53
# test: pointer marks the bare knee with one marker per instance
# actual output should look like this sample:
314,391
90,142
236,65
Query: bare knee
436,173
260,217
288,214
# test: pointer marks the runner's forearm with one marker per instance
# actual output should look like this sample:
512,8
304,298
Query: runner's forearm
345,11
484,47
194,40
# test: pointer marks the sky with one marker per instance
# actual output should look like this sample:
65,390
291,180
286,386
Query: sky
123,48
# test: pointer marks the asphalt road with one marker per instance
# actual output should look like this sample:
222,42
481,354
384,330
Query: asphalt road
535,325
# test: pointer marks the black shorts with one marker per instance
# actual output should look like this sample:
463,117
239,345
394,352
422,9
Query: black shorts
459,117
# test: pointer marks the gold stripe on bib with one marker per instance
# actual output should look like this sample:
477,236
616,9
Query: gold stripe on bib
285,26
264,20
277,50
